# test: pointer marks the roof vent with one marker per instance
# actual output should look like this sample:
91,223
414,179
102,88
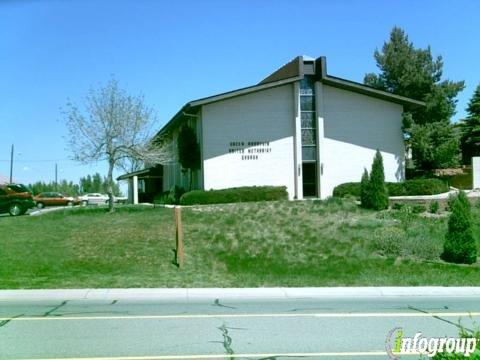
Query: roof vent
309,67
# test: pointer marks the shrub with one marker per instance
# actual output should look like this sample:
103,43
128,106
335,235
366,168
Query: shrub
459,246
233,195
161,198
398,206
378,191
406,188
396,189
425,187
418,209
373,193
433,207
345,189
451,200
365,200
171,197
389,240
415,241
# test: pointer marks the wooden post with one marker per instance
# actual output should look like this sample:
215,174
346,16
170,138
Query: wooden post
180,256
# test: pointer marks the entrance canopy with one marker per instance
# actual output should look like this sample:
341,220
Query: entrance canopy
144,184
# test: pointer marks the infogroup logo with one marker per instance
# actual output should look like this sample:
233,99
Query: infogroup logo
397,344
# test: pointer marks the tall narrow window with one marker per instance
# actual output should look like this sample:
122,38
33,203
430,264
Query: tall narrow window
308,136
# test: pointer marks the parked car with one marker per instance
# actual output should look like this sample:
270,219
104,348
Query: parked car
15,199
120,199
93,198
54,199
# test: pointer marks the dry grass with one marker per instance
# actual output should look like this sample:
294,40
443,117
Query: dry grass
308,243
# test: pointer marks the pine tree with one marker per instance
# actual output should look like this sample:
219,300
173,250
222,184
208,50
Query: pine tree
378,191
365,190
460,246
413,72
470,128
435,145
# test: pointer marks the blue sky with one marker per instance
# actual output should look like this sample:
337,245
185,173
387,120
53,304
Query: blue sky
173,52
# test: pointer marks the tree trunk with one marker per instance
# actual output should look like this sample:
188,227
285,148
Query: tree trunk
110,186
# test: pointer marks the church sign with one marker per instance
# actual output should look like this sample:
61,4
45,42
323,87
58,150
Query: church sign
249,150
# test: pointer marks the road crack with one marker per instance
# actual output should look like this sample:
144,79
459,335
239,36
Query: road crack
49,312
227,340
458,325
5,322
217,303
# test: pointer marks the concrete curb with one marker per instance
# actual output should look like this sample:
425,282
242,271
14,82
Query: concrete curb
210,294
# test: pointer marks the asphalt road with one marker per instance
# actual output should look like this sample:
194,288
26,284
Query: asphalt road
232,329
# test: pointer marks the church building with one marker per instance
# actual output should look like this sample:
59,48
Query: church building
299,127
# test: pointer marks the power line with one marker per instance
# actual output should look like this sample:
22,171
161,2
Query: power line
41,160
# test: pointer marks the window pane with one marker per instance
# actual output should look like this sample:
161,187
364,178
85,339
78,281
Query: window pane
307,103
18,188
307,86
306,91
309,152
308,137
308,120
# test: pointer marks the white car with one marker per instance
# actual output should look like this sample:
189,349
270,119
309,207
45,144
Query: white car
93,199
120,199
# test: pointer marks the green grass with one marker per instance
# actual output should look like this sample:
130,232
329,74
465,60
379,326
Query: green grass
308,243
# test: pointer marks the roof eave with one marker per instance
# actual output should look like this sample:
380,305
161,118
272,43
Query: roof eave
369,91
134,173
195,104
243,91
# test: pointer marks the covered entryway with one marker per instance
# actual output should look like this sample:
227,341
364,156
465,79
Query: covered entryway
144,184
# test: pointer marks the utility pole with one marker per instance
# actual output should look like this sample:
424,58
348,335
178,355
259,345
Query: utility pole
11,165
56,177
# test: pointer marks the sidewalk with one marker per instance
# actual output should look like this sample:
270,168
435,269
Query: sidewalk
210,294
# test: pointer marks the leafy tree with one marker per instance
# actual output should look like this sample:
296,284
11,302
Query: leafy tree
112,127
460,246
470,129
413,72
188,151
86,184
41,186
97,184
65,187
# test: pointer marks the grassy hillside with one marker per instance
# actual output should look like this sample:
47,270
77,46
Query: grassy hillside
308,243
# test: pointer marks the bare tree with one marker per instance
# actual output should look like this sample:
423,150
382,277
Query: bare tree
114,127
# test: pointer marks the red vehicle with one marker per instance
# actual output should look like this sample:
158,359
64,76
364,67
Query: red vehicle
15,199
54,199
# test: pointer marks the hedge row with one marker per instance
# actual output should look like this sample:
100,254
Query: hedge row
406,188
233,195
